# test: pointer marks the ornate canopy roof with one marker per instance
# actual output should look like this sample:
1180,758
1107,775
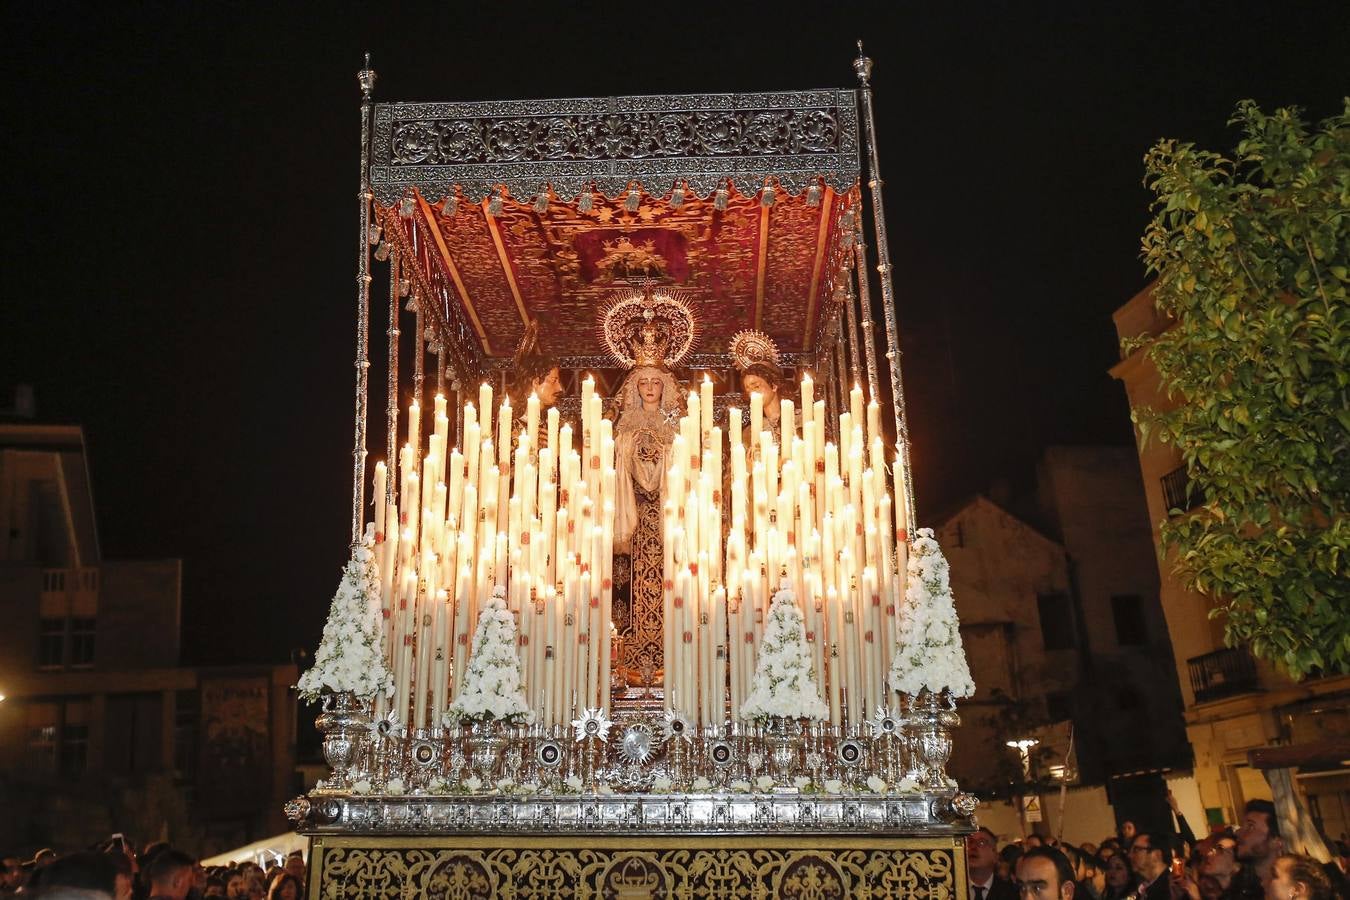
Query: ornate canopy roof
526,210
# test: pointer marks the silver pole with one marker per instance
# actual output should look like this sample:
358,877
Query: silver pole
391,409
851,322
862,66
865,305
366,78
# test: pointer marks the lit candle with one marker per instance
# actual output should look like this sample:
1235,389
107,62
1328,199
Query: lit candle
855,404
532,419
787,424
756,418
874,422
808,398
381,474
553,428
706,406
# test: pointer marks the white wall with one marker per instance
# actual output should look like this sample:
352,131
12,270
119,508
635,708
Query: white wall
1088,817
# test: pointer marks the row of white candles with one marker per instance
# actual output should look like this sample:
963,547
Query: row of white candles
805,514
537,522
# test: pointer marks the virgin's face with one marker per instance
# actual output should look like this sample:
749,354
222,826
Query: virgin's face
754,384
649,390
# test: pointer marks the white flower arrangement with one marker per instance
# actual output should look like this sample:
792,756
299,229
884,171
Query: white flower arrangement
527,788
473,784
801,782
604,789
492,688
784,683
573,783
701,784
834,786
505,783
362,787
876,784
438,785
929,655
394,787
764,783
662,785
741,786
907,786
351,653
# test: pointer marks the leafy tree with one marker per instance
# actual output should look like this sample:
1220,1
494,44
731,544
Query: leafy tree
1250,257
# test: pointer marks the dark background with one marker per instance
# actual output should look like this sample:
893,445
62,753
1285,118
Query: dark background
180,185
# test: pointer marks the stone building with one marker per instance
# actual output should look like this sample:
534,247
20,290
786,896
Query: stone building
101,729
1233,704
1062,625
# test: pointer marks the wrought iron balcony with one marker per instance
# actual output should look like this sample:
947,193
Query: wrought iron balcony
1178,491
1223,673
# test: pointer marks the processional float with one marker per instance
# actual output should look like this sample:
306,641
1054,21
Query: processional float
655,613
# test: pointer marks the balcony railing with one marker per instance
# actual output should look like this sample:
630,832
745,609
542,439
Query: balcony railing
1223,673
1178,491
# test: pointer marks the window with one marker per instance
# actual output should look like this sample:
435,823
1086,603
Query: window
75,738
1056,621
1059,706
82,643
41,725
1128,612
1179,492
51,643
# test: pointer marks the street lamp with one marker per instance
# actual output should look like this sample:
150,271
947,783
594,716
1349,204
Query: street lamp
1023,747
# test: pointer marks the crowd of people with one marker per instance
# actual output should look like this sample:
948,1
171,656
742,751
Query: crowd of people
115,870
1248,862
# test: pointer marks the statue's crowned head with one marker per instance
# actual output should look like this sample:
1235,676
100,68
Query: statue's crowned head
756,358
650,327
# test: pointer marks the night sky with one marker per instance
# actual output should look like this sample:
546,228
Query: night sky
181,179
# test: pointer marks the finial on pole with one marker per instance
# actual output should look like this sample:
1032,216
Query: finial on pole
862,66
366,78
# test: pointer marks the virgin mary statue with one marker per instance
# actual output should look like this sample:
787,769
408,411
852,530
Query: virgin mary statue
648,332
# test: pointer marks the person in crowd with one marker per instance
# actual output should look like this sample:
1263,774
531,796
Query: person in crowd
1120,880
1221,875
1294,876
1127,832
1043,873
982,868
87,871
284,887
295,867
170,875
1007,861
124,884
215,887
11,875
1183,827
1258,838
1151,858
1110,847
1087,872
236,888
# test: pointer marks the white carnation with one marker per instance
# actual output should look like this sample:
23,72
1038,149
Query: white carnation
929,654
351,654
784,683
491,687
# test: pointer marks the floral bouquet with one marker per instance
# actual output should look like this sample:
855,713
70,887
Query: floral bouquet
929,654
784,683
492,689
351,654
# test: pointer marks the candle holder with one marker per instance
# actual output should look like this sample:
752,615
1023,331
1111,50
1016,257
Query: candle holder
930,722
486,745
784,738
344,720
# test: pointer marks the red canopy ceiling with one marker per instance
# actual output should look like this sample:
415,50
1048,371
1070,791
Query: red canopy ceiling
775,267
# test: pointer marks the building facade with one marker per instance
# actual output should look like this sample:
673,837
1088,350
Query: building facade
1233,704
101,729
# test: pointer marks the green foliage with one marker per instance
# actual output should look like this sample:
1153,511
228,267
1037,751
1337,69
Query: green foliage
1251,259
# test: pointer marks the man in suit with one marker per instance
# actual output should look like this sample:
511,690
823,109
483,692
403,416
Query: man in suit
1043,873
1151,857
981,863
